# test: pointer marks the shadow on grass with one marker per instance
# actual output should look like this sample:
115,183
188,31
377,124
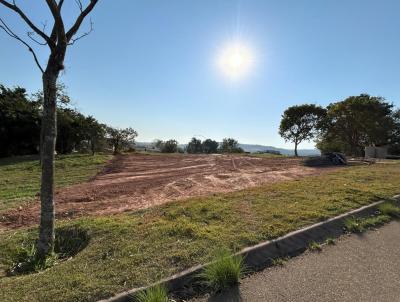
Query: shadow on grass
229,295
7,161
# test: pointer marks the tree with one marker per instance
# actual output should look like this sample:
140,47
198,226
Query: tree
19,123
300,123
210,146
357,122
170,146
230,145
57,41
121,138
194,146
95,133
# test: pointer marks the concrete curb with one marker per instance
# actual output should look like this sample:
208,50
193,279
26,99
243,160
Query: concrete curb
260,256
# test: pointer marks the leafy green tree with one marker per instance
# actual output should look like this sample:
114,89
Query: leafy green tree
357,122
170,146
71,130
210,146
230,145
95,133
19,123
194,146
300,123
121,139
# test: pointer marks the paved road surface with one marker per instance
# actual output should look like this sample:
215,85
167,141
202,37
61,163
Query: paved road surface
358,268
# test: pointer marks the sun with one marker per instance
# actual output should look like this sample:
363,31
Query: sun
235,60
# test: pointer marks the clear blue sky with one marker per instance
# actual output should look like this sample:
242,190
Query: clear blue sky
150,64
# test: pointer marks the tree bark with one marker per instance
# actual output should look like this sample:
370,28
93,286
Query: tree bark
295,148
45,244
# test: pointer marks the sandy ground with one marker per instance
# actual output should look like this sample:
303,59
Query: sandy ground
359,268
138,181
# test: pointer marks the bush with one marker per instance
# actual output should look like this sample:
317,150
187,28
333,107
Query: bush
154,294
170,146
224,272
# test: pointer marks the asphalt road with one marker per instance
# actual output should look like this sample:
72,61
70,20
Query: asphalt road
357,268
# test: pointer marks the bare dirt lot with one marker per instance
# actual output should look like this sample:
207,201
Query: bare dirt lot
138,181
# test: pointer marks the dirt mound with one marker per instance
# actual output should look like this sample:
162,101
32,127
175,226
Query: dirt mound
132,182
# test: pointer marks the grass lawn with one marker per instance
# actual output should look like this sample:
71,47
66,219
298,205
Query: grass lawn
136,249
20,176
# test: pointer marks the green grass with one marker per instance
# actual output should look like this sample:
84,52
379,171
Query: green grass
359,225
131,250
330,241
20,176
314,246
389,209
280,261
224,272
153,294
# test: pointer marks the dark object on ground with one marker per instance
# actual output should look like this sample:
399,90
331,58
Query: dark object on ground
328,159
336,158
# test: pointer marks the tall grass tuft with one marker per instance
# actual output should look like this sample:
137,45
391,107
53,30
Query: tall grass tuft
389,209
224,272
154,294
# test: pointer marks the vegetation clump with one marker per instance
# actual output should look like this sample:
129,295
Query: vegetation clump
154,294
69,241
224,272
359,225
314,246
389,209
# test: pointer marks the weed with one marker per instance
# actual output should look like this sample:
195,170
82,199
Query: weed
330,241
359,225
154,294
314,246
224,272
389,209
27,261
279,261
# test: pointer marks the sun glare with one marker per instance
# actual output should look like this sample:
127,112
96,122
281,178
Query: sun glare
235,60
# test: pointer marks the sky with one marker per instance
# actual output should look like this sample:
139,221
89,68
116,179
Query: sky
151,64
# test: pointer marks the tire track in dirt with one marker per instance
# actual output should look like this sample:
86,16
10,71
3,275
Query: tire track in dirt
138,181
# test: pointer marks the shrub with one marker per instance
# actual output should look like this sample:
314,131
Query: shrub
154,294
224,272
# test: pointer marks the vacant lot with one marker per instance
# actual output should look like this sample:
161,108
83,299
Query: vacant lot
138,181
20,176
134,249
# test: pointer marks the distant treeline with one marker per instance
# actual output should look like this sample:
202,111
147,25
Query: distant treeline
196,146
20,123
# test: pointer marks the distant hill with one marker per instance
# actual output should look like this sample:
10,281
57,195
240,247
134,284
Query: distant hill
261,148
252,149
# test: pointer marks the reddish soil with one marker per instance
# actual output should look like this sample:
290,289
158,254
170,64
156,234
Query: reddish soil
133,182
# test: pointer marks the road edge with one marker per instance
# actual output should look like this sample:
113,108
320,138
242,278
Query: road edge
260,256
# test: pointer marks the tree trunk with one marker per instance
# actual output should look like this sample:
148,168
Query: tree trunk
295,149
46,231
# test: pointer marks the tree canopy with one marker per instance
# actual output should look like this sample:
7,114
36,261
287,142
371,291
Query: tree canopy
230,145
357,122
300,123
194,146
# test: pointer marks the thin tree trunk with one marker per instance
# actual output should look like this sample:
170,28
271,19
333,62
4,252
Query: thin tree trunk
295,148
46,231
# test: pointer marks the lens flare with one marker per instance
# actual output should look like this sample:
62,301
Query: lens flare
235,60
